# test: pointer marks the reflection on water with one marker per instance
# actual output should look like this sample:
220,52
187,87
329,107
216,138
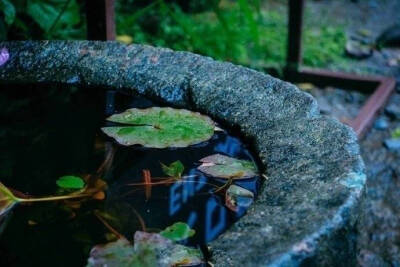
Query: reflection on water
57,133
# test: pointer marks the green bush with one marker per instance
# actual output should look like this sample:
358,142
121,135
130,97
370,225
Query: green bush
239,31
41,19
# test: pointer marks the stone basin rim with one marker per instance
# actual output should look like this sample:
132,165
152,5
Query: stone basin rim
291,222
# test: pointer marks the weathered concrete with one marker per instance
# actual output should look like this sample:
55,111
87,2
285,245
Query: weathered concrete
306,209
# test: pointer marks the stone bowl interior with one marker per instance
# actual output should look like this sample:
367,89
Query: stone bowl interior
315,175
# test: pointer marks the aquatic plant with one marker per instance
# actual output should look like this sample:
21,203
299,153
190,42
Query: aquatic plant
222,166
160,127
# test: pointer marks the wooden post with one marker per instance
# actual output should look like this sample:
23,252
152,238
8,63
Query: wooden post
100,19
295,24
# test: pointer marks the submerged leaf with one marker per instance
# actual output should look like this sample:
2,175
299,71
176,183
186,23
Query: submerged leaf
70,182
175,169
222,166
149,249
178,231
7,200
119,254
237,196
160,127
168,253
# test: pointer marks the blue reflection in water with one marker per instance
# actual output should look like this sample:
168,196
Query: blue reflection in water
215,220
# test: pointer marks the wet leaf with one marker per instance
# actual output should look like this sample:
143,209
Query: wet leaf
8,10
237,196
175,169
306,86
160,127
222,166
126,39
70,182
7,200
178,231
149,249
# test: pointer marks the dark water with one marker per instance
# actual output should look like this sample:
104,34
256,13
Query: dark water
50,131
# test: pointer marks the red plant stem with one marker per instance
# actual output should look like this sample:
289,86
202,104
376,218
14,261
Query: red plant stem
109,227
147,181
172,182
140,219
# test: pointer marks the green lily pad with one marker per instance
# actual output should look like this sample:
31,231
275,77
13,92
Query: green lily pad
178,231
160,127
70,182
175,169
150,249
222,166
237,196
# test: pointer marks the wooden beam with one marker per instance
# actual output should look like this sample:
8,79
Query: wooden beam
372,107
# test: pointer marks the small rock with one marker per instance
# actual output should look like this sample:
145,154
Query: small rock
381,123
392,144
356,49
393,110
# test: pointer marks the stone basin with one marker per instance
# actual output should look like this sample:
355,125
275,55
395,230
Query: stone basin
307,207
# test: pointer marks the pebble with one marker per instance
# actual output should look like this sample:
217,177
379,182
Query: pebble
393,110
392,144
381,123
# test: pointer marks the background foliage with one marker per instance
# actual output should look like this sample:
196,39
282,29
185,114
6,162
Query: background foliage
247,32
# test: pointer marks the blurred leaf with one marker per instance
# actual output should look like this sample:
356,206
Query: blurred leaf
222,166
70,182
126,39
42,13
396,133
8,10
178,231
306,86
175,169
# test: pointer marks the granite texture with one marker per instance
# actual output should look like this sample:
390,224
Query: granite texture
306,209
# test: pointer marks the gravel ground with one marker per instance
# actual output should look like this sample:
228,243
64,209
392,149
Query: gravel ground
379,227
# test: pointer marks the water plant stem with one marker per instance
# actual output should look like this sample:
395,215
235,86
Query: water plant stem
43,199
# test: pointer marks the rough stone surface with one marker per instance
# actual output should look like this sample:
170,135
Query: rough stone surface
305,211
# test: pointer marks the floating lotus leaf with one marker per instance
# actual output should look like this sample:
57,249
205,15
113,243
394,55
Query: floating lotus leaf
70,182
222,166
149,249
175,169
237,196
160,127
178,231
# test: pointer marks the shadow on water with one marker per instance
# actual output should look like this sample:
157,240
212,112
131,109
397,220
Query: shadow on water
50,131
